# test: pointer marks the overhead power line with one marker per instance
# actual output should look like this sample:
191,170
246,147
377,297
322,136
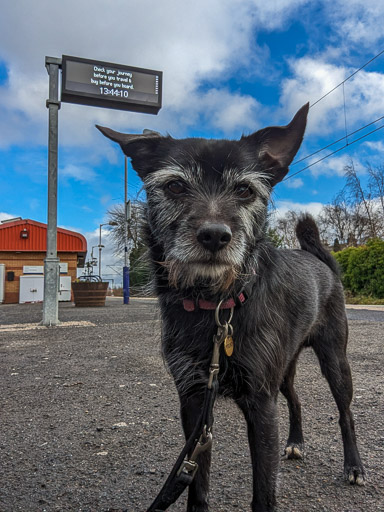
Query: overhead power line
345,137
346,79
338,140
337,150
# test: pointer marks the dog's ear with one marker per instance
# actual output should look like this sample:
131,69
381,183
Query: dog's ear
277,145
144,149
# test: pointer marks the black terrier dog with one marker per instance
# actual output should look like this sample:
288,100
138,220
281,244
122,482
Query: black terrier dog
206,223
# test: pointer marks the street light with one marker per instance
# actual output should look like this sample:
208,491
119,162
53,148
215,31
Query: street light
92,256
110,223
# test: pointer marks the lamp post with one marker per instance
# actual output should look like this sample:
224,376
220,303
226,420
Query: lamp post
127,218
110,223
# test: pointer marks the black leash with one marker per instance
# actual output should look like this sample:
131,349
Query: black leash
185,468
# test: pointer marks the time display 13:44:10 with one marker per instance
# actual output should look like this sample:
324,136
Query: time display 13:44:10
113,92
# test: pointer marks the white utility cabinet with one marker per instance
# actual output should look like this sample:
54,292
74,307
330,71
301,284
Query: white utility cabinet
65,288
31,289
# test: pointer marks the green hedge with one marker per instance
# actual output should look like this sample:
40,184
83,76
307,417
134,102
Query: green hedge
363,268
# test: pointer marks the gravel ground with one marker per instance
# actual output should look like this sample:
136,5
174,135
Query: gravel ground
89,418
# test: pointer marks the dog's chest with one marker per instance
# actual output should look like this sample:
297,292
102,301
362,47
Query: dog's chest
188,342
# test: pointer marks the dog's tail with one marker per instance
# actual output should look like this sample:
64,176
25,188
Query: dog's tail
309,238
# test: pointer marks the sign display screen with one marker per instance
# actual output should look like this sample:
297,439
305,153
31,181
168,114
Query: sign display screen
108,85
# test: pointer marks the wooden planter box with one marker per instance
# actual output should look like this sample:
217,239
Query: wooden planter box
89,294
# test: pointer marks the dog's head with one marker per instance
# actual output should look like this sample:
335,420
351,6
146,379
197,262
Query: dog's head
207,199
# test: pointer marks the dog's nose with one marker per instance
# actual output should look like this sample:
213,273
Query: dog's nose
214,237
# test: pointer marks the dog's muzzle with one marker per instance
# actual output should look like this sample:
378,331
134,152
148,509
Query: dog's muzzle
214,237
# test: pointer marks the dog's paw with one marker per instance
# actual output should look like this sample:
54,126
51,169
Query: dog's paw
294,451
355,475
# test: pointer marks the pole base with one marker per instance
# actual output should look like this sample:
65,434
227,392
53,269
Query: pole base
126,285
51,289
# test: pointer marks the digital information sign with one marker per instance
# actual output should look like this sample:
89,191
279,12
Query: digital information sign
103,84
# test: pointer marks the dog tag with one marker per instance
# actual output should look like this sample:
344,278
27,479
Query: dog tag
228,345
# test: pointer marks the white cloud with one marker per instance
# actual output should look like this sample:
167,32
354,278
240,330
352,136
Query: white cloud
228,111
311,79
6,216
274,13
335,166
357,21
377,146
314,77
190,41
294,183
79,173
366,89
282,207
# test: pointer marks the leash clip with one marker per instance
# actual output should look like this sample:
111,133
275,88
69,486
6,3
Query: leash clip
218,339
188,467
203,444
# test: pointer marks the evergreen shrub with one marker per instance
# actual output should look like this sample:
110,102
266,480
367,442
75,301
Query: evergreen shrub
363,268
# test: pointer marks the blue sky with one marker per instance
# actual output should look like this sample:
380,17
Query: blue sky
230,67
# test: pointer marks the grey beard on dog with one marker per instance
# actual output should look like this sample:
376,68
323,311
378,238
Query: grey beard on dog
206,220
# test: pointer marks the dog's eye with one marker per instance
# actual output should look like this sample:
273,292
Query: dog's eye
176,187
244,191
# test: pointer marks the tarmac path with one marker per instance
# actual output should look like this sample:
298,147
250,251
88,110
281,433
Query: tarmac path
89,418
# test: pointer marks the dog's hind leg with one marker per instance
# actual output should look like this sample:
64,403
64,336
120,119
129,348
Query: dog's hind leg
191,407
261,417
330,348
294,448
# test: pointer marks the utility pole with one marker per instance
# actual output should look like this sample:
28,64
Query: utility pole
51,262
126,255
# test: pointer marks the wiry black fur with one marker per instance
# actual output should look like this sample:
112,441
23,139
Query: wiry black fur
295,297
309,239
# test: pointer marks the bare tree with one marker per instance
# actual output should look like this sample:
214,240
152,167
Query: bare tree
139,269
354,216
337,218
285,228
340,221
361,202
117,214
376,185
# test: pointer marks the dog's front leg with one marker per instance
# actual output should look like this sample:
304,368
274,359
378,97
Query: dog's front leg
191,407
260,414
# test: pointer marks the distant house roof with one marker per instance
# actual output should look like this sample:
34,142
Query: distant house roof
25,235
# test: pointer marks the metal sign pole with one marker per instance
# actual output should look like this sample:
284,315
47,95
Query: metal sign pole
94,83
51,262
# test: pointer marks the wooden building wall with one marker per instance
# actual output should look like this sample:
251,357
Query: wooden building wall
14,261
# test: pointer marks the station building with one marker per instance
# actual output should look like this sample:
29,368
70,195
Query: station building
23,246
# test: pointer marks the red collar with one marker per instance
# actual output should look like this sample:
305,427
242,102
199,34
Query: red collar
191,305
